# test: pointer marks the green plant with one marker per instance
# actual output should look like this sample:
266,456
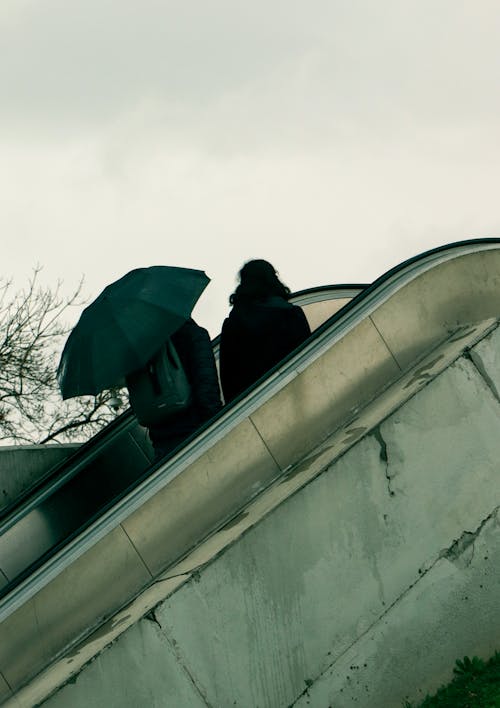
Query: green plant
476,684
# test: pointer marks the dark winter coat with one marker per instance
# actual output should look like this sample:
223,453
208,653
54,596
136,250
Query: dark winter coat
193,345
255,337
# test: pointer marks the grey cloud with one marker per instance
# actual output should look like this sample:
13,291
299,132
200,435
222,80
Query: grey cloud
93,59
228,71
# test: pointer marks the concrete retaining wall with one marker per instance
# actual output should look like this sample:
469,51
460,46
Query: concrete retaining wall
361,589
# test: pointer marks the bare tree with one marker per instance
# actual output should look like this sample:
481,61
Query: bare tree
32,334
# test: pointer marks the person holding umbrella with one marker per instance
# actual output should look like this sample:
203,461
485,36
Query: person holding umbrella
194,348
121,332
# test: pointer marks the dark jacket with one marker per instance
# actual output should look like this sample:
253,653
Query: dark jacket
195,352
255,337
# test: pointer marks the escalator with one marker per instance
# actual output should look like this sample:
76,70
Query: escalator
69,497
115,521
50,513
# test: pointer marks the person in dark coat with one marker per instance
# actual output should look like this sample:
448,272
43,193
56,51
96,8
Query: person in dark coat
262,328
194,348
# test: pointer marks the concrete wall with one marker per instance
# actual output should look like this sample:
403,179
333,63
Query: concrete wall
361,589
23,465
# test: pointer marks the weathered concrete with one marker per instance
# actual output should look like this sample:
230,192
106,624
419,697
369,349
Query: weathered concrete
406,653
23,465
361,588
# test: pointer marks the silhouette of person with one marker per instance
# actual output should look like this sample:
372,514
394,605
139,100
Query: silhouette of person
194,348
261,329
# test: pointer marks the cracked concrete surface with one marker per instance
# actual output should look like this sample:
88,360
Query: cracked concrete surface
345,594
384,458
395,639
461,551
455,552
151,617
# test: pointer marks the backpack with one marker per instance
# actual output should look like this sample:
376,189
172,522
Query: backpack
160,389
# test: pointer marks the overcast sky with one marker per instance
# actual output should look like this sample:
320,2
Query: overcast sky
333,138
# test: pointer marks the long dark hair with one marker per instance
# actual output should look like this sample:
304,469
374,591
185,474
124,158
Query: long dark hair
258,281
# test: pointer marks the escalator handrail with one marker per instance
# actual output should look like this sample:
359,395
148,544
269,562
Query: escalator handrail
164,471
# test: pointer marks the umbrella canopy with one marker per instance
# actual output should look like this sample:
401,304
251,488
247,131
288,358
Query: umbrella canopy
122,329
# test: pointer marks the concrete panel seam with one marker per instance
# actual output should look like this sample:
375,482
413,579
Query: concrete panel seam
420,376
264,443
137,551
475,358
151,617
385,343
453,549
6,682
167,576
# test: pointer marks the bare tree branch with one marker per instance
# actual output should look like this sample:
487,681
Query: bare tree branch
32,335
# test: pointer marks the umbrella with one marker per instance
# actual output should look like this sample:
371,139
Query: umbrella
123,327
